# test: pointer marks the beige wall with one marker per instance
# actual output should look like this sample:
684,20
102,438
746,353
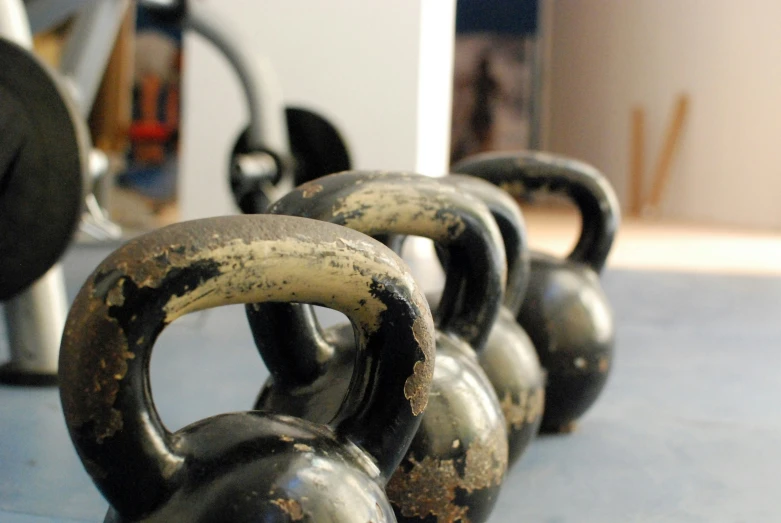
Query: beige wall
608,55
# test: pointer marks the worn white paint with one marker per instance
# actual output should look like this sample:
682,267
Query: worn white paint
411,211
338,284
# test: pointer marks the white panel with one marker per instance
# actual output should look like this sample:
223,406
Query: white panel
361,64
435,87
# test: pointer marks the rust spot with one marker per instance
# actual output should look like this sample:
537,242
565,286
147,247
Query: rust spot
486,463
527,409
515,412
416,387
514,188
93,469
110,425
104,373
603,364
115,297
311,189
429,487
536,405
568,428
291,507
92,383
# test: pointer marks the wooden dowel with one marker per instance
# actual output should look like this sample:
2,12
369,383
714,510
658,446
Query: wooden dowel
112,111
637,161
662,171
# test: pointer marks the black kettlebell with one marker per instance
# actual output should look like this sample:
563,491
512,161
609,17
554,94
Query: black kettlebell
457,462
509,358
565,311
245,466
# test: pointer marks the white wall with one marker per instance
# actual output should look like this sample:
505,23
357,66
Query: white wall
380,70
608,55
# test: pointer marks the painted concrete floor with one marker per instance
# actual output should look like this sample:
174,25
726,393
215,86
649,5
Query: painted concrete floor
688,429
664,245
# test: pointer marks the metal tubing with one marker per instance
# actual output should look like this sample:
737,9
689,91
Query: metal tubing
45,14
87,50
34,321
14,25
35,318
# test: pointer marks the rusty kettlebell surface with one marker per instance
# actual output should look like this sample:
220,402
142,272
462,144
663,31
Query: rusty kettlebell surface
509,359
565,311
245,466
456,464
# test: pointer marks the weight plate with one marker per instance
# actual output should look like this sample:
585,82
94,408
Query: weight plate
44,150
317,149
249,193
316,144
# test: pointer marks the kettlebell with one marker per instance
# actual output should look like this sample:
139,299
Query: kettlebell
456,464
245,466
509,359
565,311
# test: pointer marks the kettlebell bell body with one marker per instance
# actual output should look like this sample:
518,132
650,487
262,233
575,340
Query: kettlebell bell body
245,466
509,358
456,464
513,367
565,311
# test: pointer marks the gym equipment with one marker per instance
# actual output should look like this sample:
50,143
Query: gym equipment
281,147
317,149
509,358
457,462
317,145
245,466
263,147
565,311
43,169
43,161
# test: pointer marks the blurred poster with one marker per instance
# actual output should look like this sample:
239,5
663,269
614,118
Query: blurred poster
495,101
154,131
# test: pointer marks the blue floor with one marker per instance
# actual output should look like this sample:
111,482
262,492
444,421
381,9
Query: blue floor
688,430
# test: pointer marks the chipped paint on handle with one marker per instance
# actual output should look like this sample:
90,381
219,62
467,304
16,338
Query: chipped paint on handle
398,203
437,480
158,277
512,225
268,274
523,172
378,207
565,313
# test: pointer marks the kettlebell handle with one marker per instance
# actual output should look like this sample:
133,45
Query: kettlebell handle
513,228
158,277
378,204
529,171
